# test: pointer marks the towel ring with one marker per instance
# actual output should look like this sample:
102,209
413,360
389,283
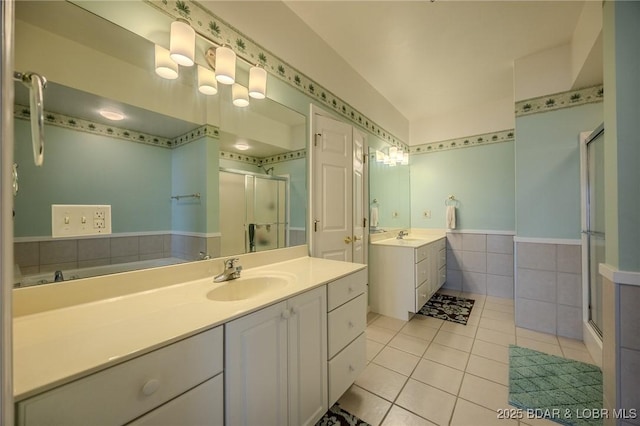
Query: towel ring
451,201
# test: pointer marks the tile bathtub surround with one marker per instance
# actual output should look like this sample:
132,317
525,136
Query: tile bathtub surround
50,255
480,263
549,288
427,371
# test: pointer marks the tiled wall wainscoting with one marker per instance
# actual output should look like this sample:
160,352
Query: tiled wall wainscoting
480,263
34,257
621,341
297,237
548,289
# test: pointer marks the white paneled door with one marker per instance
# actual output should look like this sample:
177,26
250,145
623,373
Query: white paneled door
339,172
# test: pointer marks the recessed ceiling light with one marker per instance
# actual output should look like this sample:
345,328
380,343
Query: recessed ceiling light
242,146
111,115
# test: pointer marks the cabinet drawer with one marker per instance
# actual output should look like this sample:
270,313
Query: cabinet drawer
422,253
441,244
121,393
422,272
442,276
202,405
346,323
345,367
422,295
346,288
442,258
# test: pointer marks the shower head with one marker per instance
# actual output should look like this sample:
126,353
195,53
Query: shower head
270,169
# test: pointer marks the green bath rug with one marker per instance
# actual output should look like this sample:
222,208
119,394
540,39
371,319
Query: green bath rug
559,389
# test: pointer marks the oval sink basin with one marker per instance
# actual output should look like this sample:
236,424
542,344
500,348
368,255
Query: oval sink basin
247,288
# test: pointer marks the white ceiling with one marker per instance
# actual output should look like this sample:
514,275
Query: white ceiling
428,58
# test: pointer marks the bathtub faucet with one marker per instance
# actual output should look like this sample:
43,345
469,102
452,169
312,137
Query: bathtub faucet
58,277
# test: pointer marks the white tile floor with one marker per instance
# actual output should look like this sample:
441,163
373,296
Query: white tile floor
427,371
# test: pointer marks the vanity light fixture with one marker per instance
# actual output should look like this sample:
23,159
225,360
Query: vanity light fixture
395,157
111,115
257,82
182,45
225,65
207,82
165,66
240,95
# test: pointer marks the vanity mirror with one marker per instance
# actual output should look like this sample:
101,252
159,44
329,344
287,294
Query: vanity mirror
158,168
389,195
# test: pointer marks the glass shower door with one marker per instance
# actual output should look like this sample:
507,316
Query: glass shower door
595,224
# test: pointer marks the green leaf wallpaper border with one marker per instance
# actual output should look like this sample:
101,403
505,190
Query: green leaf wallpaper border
560,100
88,126
211,26
256,161
465,142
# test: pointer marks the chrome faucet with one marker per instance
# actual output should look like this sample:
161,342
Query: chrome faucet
231,271
58,277
402,234
203,256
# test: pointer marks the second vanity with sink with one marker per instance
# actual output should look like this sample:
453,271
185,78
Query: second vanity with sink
279,345
404,273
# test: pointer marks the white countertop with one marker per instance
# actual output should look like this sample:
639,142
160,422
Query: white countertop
57,346
410,241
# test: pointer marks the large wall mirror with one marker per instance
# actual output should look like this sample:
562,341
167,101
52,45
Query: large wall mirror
186,175
389,194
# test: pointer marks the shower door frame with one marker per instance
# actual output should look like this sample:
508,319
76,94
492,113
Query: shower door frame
591,333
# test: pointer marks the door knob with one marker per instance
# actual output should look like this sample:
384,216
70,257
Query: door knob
347,240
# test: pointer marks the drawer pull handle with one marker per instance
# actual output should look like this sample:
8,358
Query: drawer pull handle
351,369
151,387
350,289
294,310
350,324
285,314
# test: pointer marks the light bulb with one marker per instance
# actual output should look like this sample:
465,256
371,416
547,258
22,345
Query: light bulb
257,82
240,95
225,65
182,46
207,83
165,67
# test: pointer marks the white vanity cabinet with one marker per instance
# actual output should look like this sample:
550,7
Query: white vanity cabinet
276,363
404,277
347,320
180,381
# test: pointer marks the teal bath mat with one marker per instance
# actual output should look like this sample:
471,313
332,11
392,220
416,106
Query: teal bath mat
559,389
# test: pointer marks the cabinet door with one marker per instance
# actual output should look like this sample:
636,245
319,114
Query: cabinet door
202,405
256,368
308,357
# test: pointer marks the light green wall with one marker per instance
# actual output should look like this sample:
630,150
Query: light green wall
194,168
84,168
622,130
389,186
548,170
481,178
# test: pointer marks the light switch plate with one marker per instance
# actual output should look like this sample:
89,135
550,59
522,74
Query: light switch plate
77,220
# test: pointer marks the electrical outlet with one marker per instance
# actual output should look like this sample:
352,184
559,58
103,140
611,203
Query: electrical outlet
427,214
79,220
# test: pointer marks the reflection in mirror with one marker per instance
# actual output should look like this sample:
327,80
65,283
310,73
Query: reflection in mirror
171,143
389,195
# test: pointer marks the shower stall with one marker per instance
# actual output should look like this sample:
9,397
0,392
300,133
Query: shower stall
253,212
593,235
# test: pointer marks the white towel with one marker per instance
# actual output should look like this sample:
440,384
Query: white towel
373,219
451,217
